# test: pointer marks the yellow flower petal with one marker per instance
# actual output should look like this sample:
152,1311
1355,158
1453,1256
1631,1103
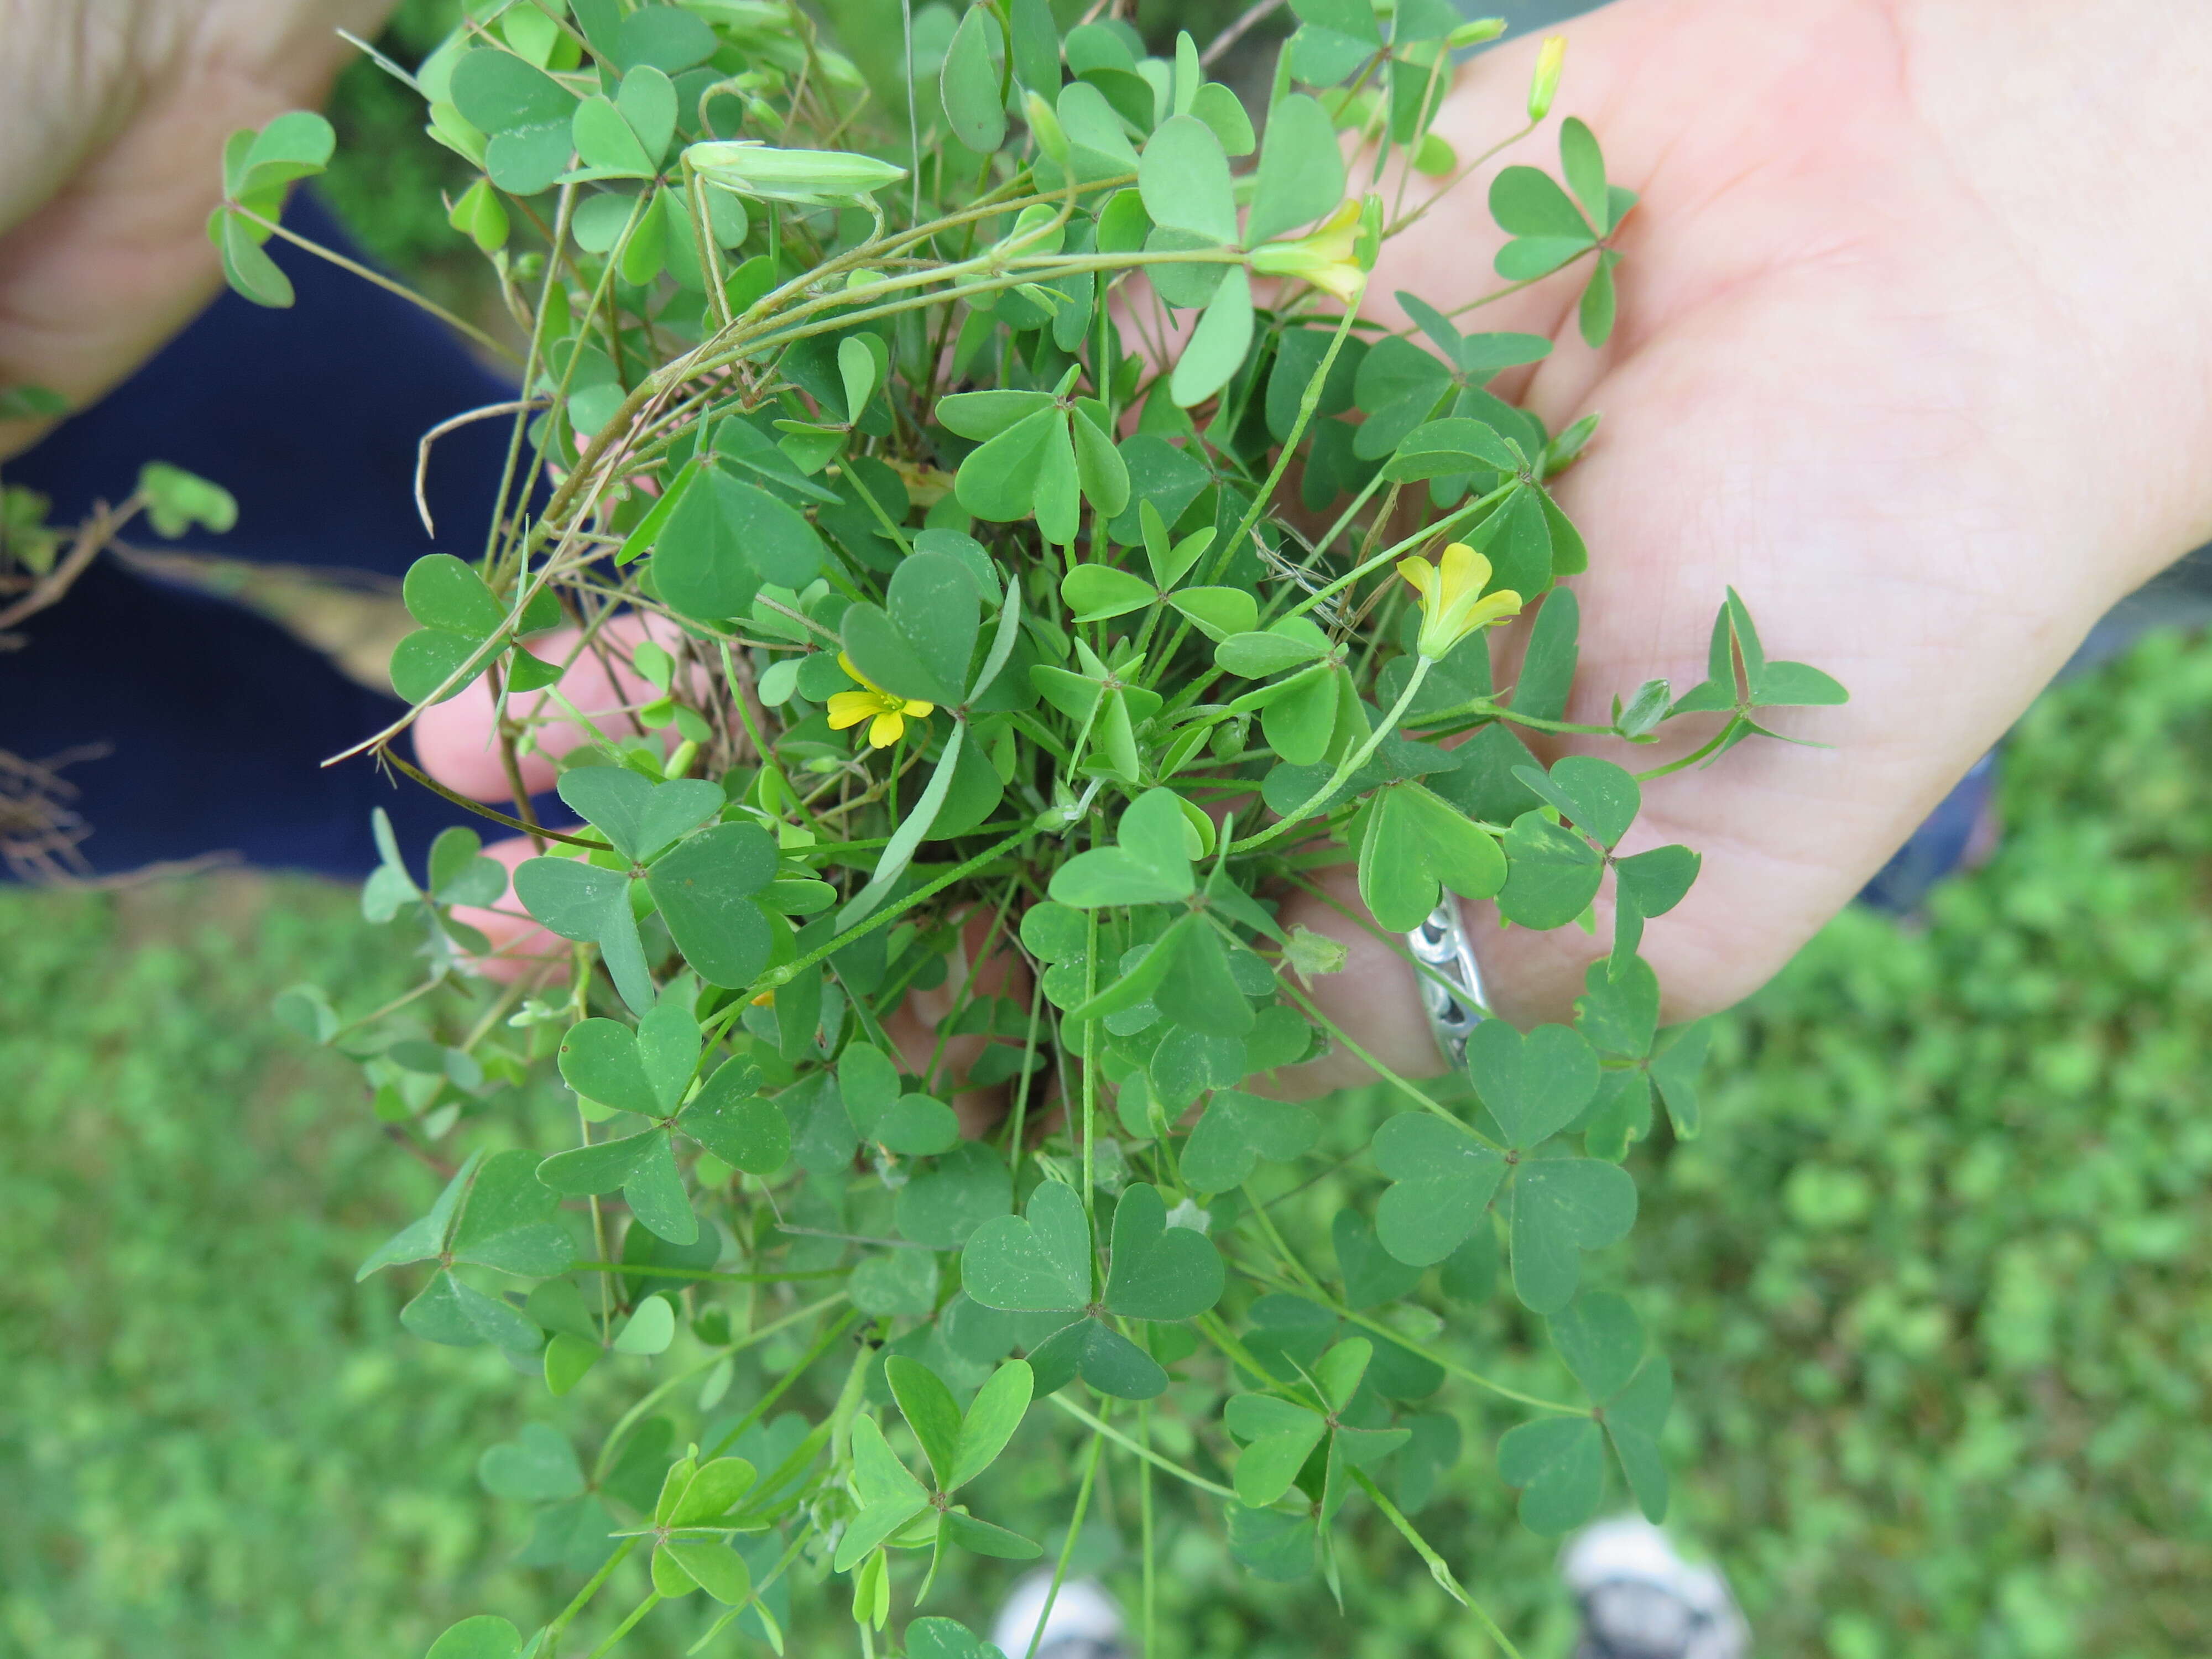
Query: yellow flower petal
915,710
846,663
890,727
851,707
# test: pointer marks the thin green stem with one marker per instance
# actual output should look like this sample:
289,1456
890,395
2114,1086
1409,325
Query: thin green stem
1351,763
1067,1549
1151,1457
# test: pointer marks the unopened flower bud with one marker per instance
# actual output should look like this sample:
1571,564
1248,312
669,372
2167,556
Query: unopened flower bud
1545,85
1046,128
806,177
1474,34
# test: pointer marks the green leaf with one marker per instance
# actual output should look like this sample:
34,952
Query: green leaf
946,1638
1279,1436
1399,386
1150,864
483,1637
1547,669
1094,593
999,480
1595,314
1270,1544
1102,1357
1223,112
1371,1275
1301,176
1797,685
1098,468
898,852
1197,989
538,1465
507,1220
860,371
605,143
1633,1419
1336,38
1415,846
1583,163
526,112
177,500
1652,883
1219,613
457,1316
1552,873
650,1329
1559,1464
246,265
704,889
968,82
639,818
715,1567
1680,1057
943,1205
604,1060
731,1120
895,1283
1440,448
1445,1179
723,539
1535,1086
1183,178
1561,1208
1598,797
592,906
927,1405
1602,1339
1096,134
1300,715
993,1417
983,416
1237,1132
982,1538
1036,1263
648,101
1620,1014
1159,1272
1216,349
663,37
1526,201
933,604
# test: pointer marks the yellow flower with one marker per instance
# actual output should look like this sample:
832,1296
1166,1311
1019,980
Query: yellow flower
887,712
1326,256
1453,603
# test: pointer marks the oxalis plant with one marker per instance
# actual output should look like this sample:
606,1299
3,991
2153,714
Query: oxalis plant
1037,567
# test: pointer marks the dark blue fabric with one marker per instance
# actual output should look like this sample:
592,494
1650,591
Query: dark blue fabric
217,720
1934,851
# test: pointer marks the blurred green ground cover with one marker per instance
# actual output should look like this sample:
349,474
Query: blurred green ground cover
1945,1373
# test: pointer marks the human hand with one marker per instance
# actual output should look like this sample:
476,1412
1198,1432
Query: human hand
112,118
1915,335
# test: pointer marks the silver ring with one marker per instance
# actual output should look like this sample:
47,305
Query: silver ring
1451,991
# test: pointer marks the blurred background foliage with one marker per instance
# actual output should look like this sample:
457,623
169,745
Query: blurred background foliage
1934,1281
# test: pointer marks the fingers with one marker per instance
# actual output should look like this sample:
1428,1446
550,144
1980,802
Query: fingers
457,741
519,946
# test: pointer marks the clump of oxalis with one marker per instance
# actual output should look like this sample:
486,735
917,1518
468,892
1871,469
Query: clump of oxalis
1004,649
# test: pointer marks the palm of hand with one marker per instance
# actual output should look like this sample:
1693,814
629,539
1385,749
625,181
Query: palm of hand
113,118
1821,393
